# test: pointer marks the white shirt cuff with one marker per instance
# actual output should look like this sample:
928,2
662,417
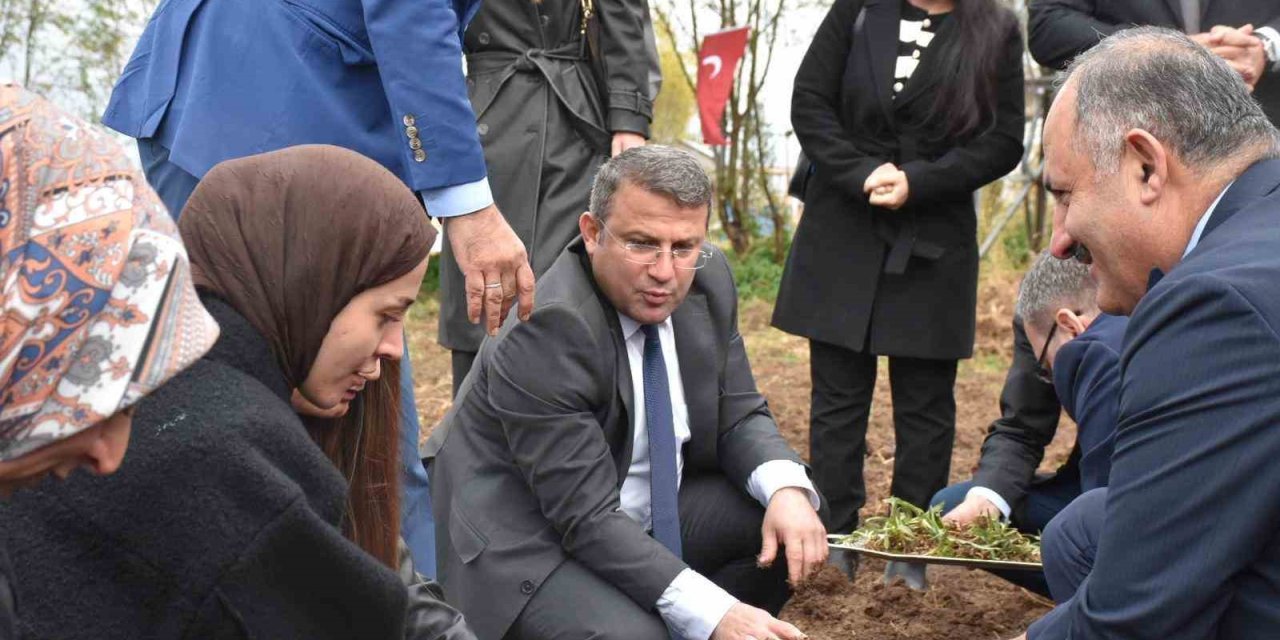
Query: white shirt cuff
991,496
457,200
692,606
780,474
1273,36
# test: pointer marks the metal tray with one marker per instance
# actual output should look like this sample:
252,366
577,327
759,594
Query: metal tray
918,559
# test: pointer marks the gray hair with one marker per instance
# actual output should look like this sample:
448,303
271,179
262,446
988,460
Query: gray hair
666,171
1051,284
1163,82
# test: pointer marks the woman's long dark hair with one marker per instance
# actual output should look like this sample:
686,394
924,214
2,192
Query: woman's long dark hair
969,63
365,446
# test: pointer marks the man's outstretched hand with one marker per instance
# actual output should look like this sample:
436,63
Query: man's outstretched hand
791,522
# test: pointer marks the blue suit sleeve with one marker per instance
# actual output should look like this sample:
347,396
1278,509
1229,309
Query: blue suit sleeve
1096,402
418,47
1194,483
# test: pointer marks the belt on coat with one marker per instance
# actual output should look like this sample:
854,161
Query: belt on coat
549,63
898,230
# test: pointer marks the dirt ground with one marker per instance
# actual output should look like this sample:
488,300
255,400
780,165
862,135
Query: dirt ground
960,603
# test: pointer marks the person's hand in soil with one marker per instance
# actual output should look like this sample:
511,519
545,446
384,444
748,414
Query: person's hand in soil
744,622
973,507
791,522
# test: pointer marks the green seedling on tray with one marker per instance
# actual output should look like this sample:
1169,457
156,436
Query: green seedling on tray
908,529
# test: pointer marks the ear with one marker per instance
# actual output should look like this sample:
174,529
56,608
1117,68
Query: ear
589,227
1070,323
1146,163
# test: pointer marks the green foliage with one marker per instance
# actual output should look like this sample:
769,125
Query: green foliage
676,103
431,282
757,272
908,529
70,51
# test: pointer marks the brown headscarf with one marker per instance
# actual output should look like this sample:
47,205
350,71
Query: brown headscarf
289,237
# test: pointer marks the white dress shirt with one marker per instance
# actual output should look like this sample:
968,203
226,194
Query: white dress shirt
999,500
691,605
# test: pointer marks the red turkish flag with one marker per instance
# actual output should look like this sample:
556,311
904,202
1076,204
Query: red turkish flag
717,62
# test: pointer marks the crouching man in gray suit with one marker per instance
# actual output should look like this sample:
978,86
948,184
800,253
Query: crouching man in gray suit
609,469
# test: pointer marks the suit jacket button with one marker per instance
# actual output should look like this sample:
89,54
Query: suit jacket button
484,37
415,144
526,588
419,155
482,129
411,131
408,120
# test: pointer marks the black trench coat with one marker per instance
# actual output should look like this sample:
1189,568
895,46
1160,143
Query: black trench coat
546,112
899,283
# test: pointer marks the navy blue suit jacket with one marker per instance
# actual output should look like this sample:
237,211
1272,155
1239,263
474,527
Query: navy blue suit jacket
1191,542
219,79
1086,375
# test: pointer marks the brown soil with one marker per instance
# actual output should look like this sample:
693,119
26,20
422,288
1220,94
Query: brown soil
961,603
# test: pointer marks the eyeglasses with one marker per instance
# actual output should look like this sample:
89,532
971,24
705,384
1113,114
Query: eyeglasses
635,252
1043,372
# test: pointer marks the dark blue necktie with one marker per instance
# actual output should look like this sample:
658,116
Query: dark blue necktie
663,488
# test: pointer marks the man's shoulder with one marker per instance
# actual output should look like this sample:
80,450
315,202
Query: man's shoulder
1239,260
1106,331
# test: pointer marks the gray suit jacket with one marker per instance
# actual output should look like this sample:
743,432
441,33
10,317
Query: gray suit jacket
528,465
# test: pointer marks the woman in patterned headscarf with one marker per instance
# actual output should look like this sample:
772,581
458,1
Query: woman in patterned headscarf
236,517
98,304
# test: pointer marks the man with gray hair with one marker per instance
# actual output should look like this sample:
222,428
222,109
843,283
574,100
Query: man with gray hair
1077,350
609,469
1167,184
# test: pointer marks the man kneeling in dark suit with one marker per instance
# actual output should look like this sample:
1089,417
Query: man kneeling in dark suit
1167,181
608,453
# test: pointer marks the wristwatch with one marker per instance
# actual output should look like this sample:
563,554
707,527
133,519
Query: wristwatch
1270,46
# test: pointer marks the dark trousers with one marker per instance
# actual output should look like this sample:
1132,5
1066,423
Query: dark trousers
461,362
924,426
720,533
1070,543
1043,501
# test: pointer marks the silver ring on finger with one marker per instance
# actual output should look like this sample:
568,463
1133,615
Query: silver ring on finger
493,285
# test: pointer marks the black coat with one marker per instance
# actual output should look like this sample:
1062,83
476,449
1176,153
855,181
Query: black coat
223,522
842,283
1029,413
1057,30
8,622
546,111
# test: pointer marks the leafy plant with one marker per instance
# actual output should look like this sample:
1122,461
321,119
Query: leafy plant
908,529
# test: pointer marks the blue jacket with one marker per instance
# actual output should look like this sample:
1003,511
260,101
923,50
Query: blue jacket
219,79
1086,375
1190,548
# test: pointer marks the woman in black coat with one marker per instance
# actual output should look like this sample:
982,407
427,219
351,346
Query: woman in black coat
558,87
97,307
905,107
234,517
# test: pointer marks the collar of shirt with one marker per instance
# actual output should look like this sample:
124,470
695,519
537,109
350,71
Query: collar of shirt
630,326
1204,220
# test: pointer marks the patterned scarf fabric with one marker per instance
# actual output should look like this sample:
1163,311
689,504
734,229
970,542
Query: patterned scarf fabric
98,304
